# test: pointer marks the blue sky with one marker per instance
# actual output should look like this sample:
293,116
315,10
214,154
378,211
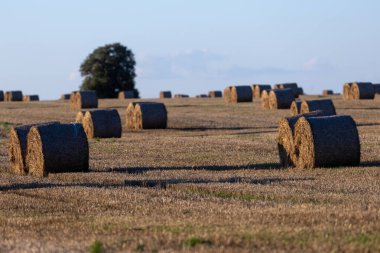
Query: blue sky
191,46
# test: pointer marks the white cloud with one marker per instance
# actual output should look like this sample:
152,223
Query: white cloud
74,76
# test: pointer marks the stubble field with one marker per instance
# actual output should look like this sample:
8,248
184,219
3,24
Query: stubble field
211,182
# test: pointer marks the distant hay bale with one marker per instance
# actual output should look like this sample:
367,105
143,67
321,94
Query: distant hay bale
258,89
127,94
241,94
376,87
83,100
65,97
295,108
326,106
347,91
293,86
326,142
57,148
227,94
327,92
181,96
215,94
18,147
13,96
281,99
2,95
73,100
79,117
265,99
285,139
102,124
201,96
165,94
30,98
362,91
150,116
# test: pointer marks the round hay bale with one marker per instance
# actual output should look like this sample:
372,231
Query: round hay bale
376,87
57,148
30,98
258,89
2,95
281,99
285,139
347,91
181,96
265,99
241,94
327,92
325,105
295,108
102,124
326,142
127,94
201,96
227,94
13,95
215,94
362,91
83,100
165,94
18,147
79,117
65,97
150,116
293,86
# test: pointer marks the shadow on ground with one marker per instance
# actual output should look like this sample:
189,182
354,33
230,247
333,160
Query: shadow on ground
159,183
140,170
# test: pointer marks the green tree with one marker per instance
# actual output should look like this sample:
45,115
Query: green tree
109,69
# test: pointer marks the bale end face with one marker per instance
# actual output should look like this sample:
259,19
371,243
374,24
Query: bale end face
15,154
265,99
295,108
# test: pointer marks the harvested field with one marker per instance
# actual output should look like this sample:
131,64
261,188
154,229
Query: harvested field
210,182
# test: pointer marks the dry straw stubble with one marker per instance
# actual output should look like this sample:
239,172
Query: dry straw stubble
327,141
18,147
325,105
150,116
102,124
57,148
281,98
